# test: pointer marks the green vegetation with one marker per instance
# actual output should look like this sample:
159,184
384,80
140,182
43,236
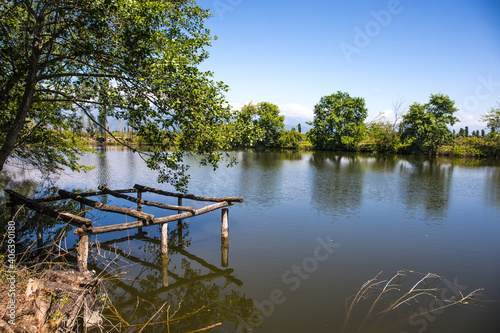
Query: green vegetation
262,125
338,122
425,127
131,60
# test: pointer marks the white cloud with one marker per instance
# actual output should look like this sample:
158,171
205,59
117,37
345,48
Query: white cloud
296,110
236,106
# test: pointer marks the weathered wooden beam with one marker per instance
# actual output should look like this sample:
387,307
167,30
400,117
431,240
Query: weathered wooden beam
86,194
187,196
106,208
137,224
140,202
75,220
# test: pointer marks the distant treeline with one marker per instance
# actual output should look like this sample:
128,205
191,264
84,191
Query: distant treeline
339,125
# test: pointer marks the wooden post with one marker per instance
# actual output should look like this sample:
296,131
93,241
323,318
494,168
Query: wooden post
139,208
39,231
164,264
225,223
179,224
164,238
83,253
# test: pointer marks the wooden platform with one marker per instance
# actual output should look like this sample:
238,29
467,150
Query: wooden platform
86,228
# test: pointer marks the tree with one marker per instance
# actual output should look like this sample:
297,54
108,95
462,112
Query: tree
384,137
137,60
246,127
290,139
492,118
338,122
425,127
299,128
271,123
259,124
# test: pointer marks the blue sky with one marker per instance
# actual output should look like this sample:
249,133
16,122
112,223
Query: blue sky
291,53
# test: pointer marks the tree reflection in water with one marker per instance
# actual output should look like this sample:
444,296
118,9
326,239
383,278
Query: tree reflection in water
194,293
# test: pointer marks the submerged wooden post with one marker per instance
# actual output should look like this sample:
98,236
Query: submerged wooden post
224,252
139,208
164,238
39,231
164,265
225,238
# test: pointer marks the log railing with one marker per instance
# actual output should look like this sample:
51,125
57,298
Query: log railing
85,227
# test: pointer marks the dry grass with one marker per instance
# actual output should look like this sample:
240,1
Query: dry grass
409,293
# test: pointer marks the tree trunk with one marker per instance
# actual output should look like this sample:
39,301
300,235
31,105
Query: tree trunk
29,92
22,113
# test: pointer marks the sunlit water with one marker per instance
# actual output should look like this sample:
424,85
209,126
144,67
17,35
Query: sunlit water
313,228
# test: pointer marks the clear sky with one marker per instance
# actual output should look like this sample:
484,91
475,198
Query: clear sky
291,53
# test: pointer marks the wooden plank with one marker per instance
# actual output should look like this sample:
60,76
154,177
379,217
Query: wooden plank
106,208
75,220
187,196
139,201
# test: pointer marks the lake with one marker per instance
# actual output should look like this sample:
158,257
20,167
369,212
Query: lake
313,229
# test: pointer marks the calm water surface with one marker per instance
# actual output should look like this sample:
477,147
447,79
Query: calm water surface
313,228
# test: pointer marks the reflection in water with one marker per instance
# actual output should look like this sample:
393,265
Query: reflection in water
426,187
378,192
492,186
103,174
197,294
337,185
262,176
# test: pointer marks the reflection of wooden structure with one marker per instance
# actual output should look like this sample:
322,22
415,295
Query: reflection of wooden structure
85,227
215,272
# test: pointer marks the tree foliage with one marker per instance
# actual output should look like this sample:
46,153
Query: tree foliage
132,60
425,127
492,118
338,122
384,137
258,125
